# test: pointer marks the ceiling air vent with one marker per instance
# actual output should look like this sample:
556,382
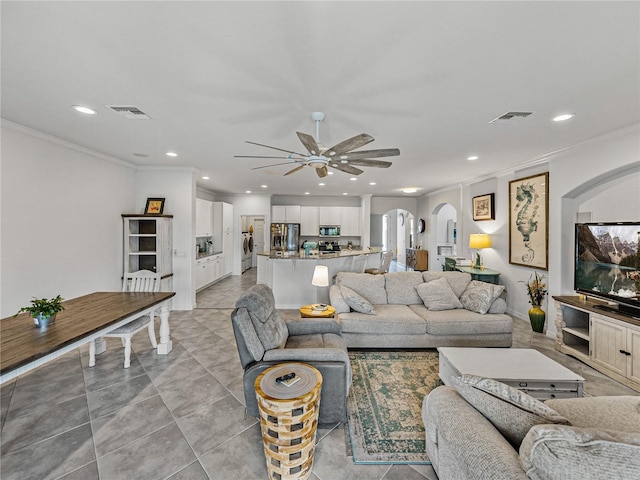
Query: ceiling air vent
511,117
129,111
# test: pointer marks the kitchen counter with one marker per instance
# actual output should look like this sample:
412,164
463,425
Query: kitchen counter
315,255
205,254
290,276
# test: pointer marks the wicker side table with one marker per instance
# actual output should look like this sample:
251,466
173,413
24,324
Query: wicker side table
289,419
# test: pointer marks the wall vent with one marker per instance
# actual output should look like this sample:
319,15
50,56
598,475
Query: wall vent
511,117
129,111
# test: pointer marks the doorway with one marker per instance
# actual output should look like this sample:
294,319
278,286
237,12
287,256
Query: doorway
446,233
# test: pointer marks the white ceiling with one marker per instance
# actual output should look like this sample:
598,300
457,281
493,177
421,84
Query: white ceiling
425,77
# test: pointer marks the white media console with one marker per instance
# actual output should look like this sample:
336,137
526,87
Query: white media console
601,338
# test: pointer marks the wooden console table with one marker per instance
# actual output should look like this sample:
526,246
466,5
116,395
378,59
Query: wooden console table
417,259
24,347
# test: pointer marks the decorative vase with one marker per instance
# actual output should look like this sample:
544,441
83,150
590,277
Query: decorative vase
43,321
537,317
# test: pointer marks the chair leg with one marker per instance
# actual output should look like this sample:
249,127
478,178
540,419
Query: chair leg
127,351
152,333
92,353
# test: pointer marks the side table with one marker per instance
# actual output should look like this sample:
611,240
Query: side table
308,312
289,419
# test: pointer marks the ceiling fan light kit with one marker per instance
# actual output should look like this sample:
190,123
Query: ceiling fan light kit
320,158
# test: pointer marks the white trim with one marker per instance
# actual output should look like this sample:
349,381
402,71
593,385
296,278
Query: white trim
30,132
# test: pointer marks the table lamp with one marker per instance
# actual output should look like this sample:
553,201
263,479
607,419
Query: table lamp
478,241
320,279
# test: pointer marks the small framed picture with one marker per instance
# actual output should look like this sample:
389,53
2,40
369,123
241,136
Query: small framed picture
155,206
484,207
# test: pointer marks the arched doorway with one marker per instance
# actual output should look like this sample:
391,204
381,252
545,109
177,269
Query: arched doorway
445,235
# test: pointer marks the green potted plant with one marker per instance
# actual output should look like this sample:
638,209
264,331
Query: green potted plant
537,290
43,311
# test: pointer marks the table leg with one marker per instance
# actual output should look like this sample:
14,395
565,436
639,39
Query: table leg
165,345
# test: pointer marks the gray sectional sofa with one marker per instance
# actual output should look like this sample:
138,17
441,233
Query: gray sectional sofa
408,310
471,435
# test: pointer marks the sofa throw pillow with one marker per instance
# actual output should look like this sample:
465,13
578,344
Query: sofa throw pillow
356,301
561,452
478,296
510,410
437,295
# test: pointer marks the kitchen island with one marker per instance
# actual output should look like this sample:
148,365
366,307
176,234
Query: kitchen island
289,276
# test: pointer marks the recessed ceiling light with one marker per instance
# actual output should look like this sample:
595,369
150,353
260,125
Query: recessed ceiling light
86,110
205,178
264,186
171,154
321,184
563,117
473,157
353,179
306,193
372,183
345,193
330,173
248,191
410,190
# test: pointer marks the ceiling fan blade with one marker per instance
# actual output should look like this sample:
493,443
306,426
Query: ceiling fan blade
275,148
343,167
385,152
309,143
322,172
298,168
288,157
370,163
348,145
274,165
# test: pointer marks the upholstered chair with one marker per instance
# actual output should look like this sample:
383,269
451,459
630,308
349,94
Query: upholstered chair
264,339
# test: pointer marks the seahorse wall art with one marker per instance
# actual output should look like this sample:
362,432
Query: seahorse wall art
527,217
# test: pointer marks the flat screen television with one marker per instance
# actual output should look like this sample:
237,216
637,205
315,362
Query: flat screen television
607,264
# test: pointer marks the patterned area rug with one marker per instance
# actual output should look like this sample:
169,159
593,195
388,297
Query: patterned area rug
385,403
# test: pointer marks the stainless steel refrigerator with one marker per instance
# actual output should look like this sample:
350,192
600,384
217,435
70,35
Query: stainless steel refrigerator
285,237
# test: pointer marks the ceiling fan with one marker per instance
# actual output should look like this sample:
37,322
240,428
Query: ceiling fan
342,156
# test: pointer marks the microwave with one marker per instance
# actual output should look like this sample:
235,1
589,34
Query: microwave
329,230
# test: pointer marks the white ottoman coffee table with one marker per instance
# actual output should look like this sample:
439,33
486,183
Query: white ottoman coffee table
523,368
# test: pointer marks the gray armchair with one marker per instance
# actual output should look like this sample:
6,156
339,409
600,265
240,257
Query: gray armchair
264,339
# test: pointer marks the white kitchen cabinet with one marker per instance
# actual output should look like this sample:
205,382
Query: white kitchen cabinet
330,215
350,222
285,214
204,218
309,221
265,273
223,234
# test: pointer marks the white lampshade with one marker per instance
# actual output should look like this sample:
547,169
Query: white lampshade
320,276
479,240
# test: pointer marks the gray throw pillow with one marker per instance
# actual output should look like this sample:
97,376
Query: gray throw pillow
560,452
510,410
478,296
437,295
356,301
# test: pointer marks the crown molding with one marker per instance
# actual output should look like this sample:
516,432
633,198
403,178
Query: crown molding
45,137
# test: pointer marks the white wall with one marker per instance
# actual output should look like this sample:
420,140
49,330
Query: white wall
601,176
61,218
178,188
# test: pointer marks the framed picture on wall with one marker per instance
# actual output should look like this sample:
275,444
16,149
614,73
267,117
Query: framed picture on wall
484,207
154,206
529,221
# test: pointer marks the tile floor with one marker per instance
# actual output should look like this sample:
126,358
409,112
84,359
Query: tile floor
178,416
